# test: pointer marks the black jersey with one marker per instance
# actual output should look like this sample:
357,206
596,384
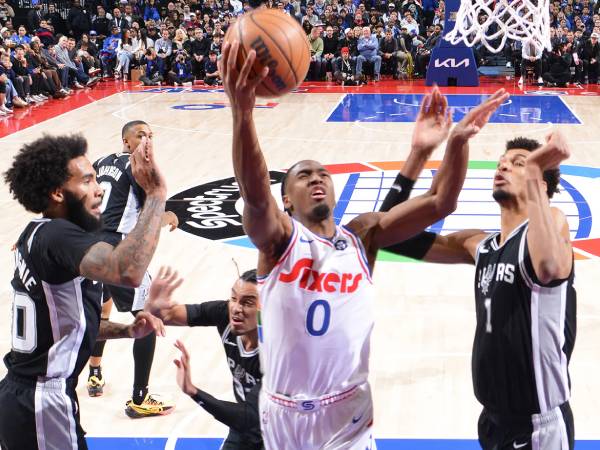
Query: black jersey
244,366
123,197
56,312
525,330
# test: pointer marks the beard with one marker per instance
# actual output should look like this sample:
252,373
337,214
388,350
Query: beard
501,196
320,212
77,213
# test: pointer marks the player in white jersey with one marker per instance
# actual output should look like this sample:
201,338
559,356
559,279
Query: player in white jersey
316,296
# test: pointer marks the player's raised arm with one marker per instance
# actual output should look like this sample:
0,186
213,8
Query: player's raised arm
267,226
548,237
409,218
126,263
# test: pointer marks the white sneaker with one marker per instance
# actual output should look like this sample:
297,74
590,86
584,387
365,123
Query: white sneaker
540,80
37,99
2,113
508,64
76,85
64,91
29,99
6,109
43,97
520,81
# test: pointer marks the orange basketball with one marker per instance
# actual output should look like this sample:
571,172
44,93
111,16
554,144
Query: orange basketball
280,44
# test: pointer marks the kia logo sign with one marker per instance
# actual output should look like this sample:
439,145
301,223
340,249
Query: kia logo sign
451,63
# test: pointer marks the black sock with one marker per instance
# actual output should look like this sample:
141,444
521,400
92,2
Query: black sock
96,371
143,354
139,394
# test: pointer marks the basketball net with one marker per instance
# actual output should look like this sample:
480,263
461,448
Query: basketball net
492,22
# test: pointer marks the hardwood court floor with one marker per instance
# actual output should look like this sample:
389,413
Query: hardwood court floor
421,346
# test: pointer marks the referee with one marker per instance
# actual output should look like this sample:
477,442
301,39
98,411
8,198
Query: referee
236,322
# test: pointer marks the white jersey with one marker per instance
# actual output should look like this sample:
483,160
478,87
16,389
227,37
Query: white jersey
316,316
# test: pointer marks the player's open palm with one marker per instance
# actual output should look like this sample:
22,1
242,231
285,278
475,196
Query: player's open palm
550,155
239,85
478,117
144,324
433,122
184,370
160,294
145,169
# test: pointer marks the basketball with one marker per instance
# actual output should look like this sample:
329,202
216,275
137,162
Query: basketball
280,44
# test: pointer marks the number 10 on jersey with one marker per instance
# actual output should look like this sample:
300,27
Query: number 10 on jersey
318,318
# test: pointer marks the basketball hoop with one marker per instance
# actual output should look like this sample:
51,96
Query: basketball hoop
492,22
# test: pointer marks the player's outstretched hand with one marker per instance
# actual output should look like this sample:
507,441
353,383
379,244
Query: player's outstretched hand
551,154
239,85
478,117
433,123
184,370
170,218
144,324
145,170
161,290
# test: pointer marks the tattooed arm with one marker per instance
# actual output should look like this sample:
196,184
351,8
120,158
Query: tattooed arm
144,324
126,263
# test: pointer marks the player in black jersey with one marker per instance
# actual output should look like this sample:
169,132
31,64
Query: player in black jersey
525,301
236,323
57,286
121,204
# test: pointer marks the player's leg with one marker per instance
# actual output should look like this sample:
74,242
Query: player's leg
17,416
95,383
142,403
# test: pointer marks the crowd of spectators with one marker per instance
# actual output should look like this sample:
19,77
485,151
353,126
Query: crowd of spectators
54,50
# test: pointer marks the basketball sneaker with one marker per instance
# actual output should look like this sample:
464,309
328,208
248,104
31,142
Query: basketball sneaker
153,405
95,386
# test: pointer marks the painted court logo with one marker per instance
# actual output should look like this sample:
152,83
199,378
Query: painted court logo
214,210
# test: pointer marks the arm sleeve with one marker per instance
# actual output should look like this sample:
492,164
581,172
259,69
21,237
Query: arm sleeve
208,314
242,417
65,244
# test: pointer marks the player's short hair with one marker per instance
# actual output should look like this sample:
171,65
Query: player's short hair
551,176
41,167
249,276
129,125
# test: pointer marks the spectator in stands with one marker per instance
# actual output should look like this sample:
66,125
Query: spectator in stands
164,49
82,71
388,51
125,53
34,16
591,56
45,34
151,11
6,12
212,74
532,58
424,52
4,110
49,54
181,71
78,21
108,54
559,61
37,59
410,23
118,20
101,24
316,50
368,47
154,69
13,97
199,48
346,69
54,18
179,41
330,46
21,68
310,16
216,44
21,37
76,78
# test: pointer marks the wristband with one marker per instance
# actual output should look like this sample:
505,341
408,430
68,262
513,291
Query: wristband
398,193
